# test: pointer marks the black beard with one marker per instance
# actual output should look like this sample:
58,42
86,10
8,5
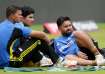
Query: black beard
26,25
67,34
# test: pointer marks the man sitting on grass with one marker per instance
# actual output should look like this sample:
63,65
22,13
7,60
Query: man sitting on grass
12,30
67,48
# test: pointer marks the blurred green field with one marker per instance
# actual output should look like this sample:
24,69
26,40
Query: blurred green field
68,72
99,35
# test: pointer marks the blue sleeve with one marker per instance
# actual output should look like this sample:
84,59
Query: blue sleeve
25,30
58,46
77,49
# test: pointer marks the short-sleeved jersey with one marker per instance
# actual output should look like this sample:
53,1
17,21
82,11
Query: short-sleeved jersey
7,28
66,45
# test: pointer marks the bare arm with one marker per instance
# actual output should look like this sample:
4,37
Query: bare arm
40,35
84,40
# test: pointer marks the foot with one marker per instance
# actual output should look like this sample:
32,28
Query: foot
100,60
46,61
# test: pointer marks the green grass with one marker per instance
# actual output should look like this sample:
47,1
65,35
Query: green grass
37,27
65,72
99,35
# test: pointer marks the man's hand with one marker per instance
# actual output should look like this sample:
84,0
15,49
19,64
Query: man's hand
82,55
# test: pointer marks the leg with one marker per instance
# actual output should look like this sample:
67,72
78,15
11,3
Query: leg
29,50
84,40
90,55
49,51
34,61
25,52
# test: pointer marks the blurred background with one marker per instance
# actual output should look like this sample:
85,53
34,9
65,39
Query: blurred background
77,10
49,10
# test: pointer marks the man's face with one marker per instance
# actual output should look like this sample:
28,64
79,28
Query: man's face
17,17
28,20
66,27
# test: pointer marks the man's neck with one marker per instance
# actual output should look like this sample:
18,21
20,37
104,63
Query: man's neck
67,34
13,21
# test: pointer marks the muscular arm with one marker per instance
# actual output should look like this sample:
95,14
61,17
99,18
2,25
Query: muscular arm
40,35
84,40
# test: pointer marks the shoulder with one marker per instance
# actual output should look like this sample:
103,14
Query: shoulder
23,28
58,38
4,22
76,33
19,25
80,34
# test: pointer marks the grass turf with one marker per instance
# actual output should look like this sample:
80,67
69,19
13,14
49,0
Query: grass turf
99,35
65,72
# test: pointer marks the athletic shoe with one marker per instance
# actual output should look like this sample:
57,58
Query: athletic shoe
46,62
100,60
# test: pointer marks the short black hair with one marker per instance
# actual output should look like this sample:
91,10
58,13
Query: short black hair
61,19
12,10
26,10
